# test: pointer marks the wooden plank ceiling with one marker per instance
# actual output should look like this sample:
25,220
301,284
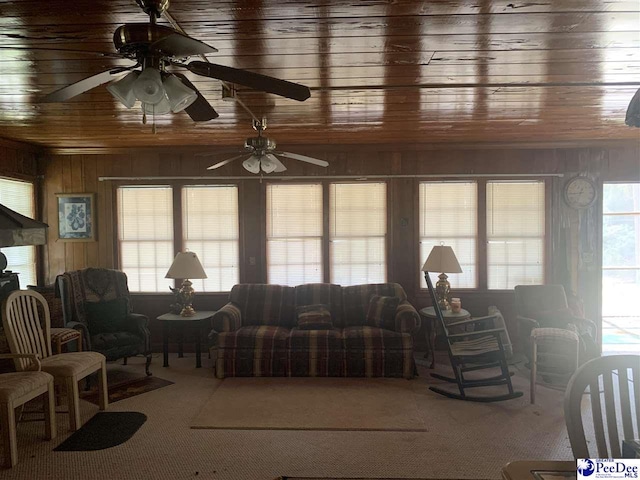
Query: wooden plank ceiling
380,71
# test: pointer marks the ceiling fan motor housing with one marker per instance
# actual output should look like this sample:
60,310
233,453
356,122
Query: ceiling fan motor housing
130,38
260,144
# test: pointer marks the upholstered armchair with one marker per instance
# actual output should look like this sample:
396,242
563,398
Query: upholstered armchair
96,301
546,306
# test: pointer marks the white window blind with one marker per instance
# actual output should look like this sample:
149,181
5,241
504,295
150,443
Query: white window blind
294,234
515,233
210,229
145,234
449,216
19,196
358,230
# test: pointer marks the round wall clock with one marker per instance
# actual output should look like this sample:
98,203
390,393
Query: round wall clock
580,192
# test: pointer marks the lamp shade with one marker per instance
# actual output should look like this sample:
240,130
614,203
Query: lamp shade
252,164
267,165
148,86
186,265
180,96
442,259
122,90
159,108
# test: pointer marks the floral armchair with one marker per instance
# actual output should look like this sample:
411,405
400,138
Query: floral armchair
96,301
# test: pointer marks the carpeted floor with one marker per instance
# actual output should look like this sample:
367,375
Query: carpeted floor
386,404
464,440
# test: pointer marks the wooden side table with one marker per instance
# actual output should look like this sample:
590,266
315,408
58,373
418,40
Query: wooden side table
171,320
429,314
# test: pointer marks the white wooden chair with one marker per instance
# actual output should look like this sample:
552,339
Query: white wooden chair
613,383
28,333
16,389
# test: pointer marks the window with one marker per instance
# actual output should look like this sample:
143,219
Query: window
145,236
294,233
19,196
515,230
515,233
449,216
358,229
210,229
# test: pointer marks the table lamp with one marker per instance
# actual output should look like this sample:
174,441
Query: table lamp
441,259
185,266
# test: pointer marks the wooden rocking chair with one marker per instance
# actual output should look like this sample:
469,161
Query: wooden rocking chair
472,351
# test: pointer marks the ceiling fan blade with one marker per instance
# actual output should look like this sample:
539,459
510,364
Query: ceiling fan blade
200,110
84,85
179,45
224,162
279,166
303,158
256,81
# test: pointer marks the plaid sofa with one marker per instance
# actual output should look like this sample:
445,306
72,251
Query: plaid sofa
256,333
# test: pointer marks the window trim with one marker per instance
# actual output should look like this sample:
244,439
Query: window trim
178,220
481,244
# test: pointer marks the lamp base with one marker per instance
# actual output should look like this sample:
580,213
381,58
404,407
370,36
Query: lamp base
186,295
443,288
187,311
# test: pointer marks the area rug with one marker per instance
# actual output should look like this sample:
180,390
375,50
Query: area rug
126,389
386,404
103,430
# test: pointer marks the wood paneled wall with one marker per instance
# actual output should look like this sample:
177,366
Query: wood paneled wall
80,173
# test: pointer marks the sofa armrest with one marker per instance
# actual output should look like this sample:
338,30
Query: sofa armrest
227,319
407,319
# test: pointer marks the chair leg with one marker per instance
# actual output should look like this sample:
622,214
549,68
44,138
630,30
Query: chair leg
534,371
124,361
147,365
50,427
73,400
8,431
103,390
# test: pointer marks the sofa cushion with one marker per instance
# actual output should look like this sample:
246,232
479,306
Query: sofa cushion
382,312
263,304
316,340
373,338
355,300
324,293
314,317
108,316
257,337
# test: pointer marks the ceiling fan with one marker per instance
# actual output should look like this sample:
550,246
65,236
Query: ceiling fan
263,154
154,48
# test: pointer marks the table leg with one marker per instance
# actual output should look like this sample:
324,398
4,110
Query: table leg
165,343
431,340
180,342
198,353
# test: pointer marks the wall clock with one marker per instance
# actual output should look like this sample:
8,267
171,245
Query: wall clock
580,192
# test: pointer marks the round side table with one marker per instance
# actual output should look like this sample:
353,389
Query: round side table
429,314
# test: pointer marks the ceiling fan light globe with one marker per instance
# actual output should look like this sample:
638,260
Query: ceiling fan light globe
179,95
160,108
148,86
252,164
122,90
267,165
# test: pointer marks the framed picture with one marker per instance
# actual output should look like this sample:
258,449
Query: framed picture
76,217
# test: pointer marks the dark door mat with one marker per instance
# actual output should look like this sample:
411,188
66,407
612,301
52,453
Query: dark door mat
104,430
127,389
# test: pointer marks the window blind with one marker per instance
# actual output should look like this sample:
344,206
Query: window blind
449,215
515,233
358,229
19,196
210,229
145,235
294,233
